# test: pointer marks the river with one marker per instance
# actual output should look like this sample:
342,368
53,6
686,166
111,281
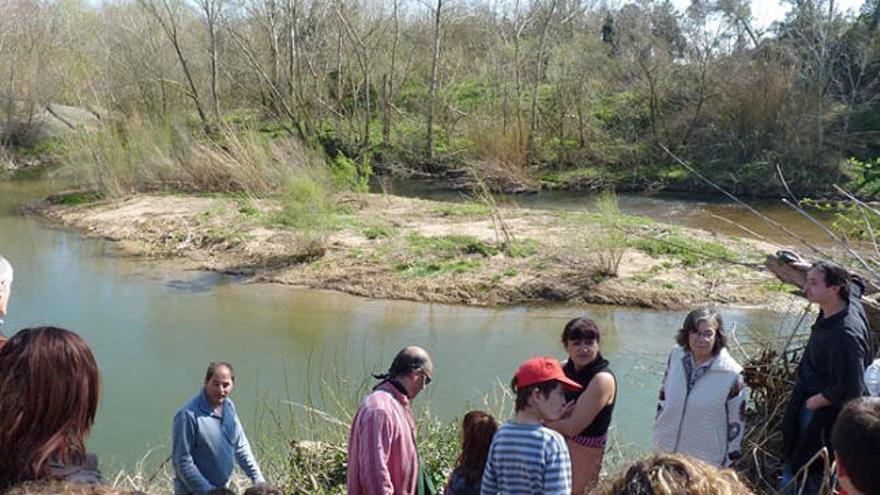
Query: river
154,329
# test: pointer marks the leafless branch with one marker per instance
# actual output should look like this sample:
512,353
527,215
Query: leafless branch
742,203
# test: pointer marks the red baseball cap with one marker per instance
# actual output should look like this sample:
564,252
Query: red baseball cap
543,369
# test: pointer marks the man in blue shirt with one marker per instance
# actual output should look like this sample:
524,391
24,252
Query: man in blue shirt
207,438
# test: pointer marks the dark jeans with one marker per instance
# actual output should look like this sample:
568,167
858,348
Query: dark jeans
813,483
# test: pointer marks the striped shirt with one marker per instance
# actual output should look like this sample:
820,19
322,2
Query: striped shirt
527,459
382,458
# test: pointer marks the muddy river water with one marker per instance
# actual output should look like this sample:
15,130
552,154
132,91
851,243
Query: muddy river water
154,329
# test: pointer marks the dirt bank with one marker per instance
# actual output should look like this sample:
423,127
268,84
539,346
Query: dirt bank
386,246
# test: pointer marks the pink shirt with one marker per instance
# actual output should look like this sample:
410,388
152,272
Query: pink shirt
382,456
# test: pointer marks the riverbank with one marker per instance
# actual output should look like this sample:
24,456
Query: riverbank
384,246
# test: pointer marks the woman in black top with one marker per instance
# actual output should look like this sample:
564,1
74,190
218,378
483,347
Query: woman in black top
586,427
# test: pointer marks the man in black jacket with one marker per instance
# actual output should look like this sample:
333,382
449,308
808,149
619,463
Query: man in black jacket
831,370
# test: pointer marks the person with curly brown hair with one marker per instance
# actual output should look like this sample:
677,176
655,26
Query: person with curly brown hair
673,474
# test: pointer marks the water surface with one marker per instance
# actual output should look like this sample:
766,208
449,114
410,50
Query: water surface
154,329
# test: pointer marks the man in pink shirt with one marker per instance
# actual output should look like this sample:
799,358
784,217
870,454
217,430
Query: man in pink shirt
382,456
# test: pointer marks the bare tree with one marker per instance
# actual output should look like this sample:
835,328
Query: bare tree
212,10
432,92
539,71
359,41
166,15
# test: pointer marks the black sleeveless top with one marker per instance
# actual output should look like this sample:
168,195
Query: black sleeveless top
602,421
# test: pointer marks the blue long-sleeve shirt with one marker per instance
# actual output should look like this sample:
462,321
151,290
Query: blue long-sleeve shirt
205,447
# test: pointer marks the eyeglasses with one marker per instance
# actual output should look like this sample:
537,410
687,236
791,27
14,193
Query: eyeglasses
428,378
706,335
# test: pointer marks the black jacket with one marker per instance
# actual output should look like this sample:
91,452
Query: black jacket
833,364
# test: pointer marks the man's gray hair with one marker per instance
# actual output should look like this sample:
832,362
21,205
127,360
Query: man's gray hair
5,271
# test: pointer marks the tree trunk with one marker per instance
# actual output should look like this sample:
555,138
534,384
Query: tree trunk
169,27
211,9
388,90
820,87
291,6
539,62
435,58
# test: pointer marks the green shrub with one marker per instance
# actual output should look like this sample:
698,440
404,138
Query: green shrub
352,175
377,231
307,203
608,243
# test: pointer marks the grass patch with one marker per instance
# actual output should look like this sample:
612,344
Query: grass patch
247,208
431,256
448,246
780,287
688,250
468,209
563,176
521,248
75,198
379,231
422,269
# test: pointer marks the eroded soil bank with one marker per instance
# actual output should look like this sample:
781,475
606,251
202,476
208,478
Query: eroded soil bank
385,246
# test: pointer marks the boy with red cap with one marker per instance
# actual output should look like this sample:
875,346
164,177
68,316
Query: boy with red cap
525,456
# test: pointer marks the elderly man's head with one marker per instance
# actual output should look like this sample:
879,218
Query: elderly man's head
412,368
5,285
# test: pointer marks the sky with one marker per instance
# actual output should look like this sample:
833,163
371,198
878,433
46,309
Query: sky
766,12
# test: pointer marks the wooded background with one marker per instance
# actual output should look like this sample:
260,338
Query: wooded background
553,90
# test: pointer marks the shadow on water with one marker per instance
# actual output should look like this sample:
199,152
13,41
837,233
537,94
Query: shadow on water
202,282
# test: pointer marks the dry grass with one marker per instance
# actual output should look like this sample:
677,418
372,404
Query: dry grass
137,155
501,157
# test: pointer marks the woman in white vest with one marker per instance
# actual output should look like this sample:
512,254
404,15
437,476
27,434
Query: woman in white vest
701,412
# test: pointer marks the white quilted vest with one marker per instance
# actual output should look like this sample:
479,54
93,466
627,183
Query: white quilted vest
695,423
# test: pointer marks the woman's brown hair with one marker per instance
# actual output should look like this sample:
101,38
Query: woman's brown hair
477,430
49,385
